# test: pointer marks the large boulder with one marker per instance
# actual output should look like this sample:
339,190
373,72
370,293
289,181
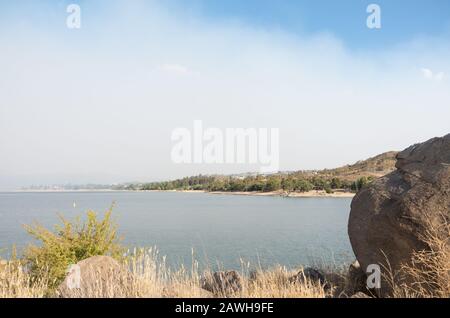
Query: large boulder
94,277
390,217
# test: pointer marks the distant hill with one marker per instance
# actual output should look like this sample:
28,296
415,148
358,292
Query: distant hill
377,166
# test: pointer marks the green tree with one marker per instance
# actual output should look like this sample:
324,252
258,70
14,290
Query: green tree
336,183
319,183
237,186
288,184
303,185
272,184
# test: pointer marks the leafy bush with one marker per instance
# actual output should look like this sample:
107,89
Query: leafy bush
303,185
288,184
272,184
69,244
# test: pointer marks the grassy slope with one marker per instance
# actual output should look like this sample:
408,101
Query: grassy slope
377,166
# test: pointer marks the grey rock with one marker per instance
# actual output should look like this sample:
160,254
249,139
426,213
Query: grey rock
389,217
97,276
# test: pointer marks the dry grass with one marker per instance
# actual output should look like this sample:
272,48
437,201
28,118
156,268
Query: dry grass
146,275
16,283
275,283
151,277
428,274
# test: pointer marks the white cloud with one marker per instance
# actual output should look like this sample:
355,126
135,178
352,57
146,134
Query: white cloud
429,75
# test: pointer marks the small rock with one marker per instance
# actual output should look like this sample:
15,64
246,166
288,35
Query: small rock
222,283
311,274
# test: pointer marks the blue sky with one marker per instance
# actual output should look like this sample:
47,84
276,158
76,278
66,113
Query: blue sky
402,19
99,104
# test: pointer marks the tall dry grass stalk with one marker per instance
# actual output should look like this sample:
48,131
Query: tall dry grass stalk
277,283
15,282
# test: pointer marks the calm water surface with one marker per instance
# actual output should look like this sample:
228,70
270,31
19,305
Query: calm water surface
221,229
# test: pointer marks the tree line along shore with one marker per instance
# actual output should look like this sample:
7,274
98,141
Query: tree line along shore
346,179
275,184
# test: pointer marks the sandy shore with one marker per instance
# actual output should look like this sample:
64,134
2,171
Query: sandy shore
309,194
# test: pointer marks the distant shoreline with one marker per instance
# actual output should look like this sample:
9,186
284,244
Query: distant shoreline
63,191
308,194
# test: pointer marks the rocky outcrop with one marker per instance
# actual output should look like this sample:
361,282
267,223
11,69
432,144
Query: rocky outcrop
97,276
390,217
226,283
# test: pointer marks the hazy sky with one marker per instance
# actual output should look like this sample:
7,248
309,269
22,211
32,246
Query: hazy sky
99,104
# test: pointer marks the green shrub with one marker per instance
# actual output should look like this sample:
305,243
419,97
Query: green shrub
328,190
288,184
303,185
70,243
272,184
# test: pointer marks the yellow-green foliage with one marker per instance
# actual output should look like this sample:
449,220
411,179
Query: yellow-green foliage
70,243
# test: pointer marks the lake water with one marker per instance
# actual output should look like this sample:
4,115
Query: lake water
221,229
